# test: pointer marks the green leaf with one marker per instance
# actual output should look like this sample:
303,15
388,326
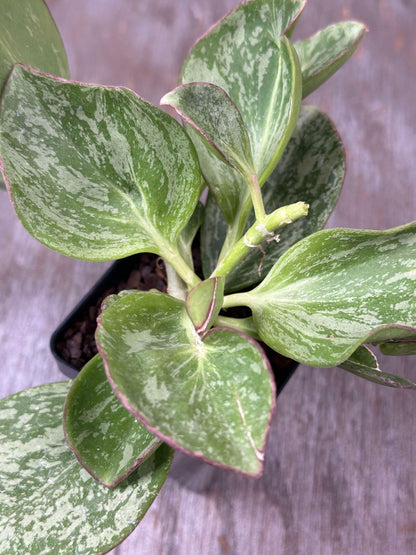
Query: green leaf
225,184
95,173
325,52
110,299
212,113
107,440
363,363
213,232
399,348
49,503
210,398
335,290
312,169
188,234
246,55
28,34
203,303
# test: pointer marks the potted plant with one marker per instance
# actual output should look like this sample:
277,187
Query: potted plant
117,176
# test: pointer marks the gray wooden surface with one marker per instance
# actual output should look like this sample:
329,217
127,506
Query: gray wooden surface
340,474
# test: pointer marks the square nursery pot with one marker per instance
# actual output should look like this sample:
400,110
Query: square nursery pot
73,343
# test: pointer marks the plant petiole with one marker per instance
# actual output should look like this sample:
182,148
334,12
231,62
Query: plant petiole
261,230
174,258
243,325
256,197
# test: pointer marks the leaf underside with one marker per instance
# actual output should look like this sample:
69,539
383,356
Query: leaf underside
188,234
28,35
95,173
338,289
212,399
108,441
49,503
312,170
203,303
363,364
399,348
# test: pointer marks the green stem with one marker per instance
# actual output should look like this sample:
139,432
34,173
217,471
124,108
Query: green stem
253,199
230,240
176,286
236,229
238,299
256,197
245,325
174,258
261,230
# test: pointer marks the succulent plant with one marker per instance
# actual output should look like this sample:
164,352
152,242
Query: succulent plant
98,173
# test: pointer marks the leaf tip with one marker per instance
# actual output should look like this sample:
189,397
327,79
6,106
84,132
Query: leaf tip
166,99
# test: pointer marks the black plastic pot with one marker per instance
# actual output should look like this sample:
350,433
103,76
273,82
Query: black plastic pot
118,274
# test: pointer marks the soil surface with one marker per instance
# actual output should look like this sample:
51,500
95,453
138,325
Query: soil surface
77,345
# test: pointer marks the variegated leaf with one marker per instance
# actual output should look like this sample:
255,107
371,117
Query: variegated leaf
246,55
325,52
28,34
225,184
335,290
95,173
106,438
312,170
203,303
211,398
363,363
49,503
212,113
213,232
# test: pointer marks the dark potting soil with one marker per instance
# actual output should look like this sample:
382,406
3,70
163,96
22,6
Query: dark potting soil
77,345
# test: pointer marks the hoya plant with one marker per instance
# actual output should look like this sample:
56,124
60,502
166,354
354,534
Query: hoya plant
98,173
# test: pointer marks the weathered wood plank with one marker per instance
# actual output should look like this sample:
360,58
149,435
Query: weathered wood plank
340,474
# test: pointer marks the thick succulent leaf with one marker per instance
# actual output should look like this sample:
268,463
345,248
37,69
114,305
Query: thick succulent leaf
213,232
246,55
110,299
95,173
225,183
49,503
203,303
106,438
211,398
188,234
399,348
335,290
362,358
28,35
363,363
312,170
325,52
212,113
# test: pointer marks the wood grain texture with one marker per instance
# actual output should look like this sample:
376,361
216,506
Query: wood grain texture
339,476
